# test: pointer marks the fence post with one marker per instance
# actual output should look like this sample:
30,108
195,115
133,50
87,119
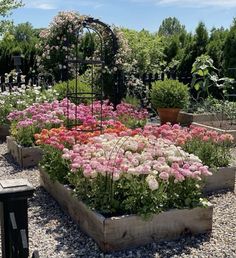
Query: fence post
14,217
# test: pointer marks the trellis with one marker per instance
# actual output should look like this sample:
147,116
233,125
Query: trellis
104,59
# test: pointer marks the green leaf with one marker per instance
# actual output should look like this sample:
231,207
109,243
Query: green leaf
197,86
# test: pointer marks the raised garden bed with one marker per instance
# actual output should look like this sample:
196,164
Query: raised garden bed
224,126
186,118
4,132
222,179
122,232
24,156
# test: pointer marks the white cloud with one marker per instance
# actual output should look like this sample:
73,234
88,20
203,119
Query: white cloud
62,4
44,5
192,3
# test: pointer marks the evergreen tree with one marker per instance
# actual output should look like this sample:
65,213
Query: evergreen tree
230,52
170,26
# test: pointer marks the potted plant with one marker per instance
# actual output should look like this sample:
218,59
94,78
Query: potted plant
169,96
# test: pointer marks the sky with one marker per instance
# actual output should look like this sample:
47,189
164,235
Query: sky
133,14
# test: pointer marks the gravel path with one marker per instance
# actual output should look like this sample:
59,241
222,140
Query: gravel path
55,235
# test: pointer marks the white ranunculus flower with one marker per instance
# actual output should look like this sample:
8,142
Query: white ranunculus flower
152,182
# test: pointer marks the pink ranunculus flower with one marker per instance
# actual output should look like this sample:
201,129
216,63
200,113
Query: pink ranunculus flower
164,176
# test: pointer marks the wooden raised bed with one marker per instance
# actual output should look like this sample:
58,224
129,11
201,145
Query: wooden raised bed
219,130
222,179
185,118
117,233
4,132
24,156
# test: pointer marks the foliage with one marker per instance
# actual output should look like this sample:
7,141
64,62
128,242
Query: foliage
147,50
55,166
18,40
215,46
170,26
5,10
205,76
80,87
212,154
169,94
134,101
229,51
195,47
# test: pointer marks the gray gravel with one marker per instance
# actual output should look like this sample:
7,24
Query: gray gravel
54,234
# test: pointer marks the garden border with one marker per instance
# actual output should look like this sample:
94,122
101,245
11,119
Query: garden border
25,156
186,118
122,232
222,179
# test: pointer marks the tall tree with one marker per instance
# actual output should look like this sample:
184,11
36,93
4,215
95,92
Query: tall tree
6,6
147,50
200,40
170,26
215,47
196,46
18,40
230,51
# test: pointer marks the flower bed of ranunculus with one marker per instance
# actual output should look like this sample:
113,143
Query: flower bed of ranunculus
214,149
129,174
21,98
26,123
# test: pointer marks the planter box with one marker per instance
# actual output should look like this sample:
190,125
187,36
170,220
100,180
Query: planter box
117,233
24,156
4,132
219,130
185,118
222,179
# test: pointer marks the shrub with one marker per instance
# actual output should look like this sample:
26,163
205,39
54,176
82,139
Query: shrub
61,88
169,94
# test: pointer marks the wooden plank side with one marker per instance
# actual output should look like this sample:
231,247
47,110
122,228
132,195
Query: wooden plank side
90,222
222,179
188,118
123,232
133,231
14,150
24,156
31,156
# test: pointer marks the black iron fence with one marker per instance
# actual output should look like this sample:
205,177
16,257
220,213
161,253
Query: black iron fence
149,78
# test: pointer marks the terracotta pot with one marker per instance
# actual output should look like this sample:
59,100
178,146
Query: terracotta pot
168,115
